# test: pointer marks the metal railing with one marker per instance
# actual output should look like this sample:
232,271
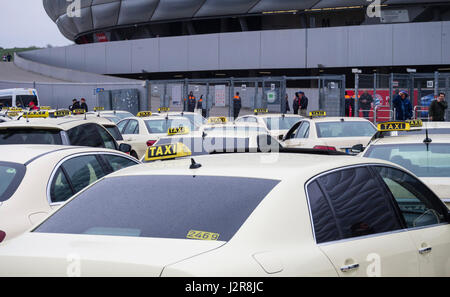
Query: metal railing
418,109
376,118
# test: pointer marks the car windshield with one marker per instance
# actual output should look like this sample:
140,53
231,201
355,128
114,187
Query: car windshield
113,119
281,123
345,129
123,115
422,160
161,126
25,100
166,206
30,136
11,174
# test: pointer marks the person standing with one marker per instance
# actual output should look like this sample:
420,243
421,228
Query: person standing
349,104
200,106
287,103
303,104
365,104
296,103
237,105
9,57
83,105
191,102
75,105
403,107
437,108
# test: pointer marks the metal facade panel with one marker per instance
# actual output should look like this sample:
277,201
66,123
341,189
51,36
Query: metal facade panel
445,43
225,7
136,11
75,58
176,9
327,47
283,49
145,55
370,45
173,53
95,60
274,5
105,15
417,43
118,57
203,52
240,50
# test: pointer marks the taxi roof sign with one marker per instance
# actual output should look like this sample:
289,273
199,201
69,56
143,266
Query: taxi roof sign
167,151
164,109
45,107
393,126
415,123
178,131
217,120
317,113
36,114
61,113
99,108
261,110
16,109
79,111
144,114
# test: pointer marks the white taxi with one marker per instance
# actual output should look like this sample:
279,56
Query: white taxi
235,215
36,179
422,152
330,133
112,115
277,124
144,130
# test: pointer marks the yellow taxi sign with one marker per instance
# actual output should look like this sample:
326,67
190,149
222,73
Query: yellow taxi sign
79,111
15,109
12,114
317,113
144,114
217,120
164,109
45,107
167,151
393,126
36,114
99,108
61,113
261,110
178,131
415,123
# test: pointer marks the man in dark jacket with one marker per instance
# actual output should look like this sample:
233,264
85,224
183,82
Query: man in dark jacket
287,103
303,104
349,104
237,104
296,103
83,105
200,106
365,104
191,102
75,105
437,109
403,107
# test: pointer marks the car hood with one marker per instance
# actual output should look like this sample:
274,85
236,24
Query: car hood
41,254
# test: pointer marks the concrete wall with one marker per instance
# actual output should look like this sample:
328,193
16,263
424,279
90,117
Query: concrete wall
350,46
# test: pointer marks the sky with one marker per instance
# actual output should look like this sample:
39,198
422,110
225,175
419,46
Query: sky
25,23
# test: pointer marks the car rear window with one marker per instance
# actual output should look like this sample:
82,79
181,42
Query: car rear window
163,125
281,123
161,206
345,129
30,136
11,175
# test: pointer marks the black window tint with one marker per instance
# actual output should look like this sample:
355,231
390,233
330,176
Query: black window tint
114,131
30,136
5,101
60,189
132,128
118,162
360,205
325,228
303,131
11,175
108,140
161,206
82,171
85,135
418,205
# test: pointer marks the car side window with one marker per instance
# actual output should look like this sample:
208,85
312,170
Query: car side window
82,171
122,125
132,128
359,205
108,140
118,162
303,131
60,189
85,135
418,205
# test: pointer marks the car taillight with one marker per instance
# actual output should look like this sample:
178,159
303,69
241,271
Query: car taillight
151,142
2,235
325,148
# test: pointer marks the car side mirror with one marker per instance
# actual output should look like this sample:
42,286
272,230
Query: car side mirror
2,235
356,149
281,137
125,148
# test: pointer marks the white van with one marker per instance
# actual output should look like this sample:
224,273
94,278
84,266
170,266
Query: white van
18,98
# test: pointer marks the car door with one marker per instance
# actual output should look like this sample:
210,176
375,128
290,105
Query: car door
426,219
131,135
357,226
300,137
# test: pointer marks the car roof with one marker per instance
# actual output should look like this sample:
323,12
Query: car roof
63,123
416,138
338,119
271,115
250,165
25,153
234,124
